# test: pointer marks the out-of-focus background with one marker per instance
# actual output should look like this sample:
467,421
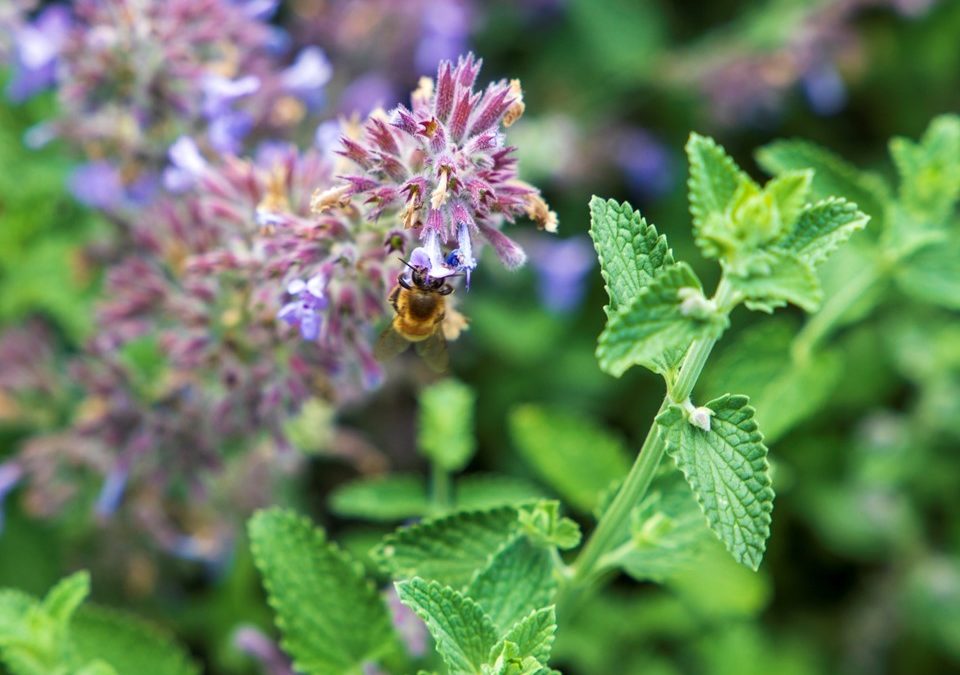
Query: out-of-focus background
862,574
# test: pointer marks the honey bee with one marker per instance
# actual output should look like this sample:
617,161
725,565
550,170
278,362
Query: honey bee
420,305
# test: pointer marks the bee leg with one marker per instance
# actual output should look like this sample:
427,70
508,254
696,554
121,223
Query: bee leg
403,282
392,298
446,289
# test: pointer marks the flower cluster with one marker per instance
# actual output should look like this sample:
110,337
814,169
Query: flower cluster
133,76
444,164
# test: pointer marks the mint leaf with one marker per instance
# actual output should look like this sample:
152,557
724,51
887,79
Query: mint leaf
518,580
449,549
534,634
383,499
833,176
651,330
64,598
728,471
463,634
667,532
446,424
714,179
822,227
478,492
127,644
545,527
629,249
930,170
932,274
790,191
330,617
775,277
574,455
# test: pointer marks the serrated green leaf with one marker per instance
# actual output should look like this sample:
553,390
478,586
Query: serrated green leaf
932,274
630,250
822,227
832,175
930,170
544,525
775,277
790,191
463,634
714,179
667,531
575,456
449,549
127,644
783,392
383,499
330,617
477,492
518,580
728,471
651,330
446,424
13,607
64,598
534,634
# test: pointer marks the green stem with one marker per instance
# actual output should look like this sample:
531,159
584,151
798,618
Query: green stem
825,321
440,488
638,480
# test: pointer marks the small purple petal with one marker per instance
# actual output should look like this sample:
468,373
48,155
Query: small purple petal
98,185
311,71
309,324
296,287
112,491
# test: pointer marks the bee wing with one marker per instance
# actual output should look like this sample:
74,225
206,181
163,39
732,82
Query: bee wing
390,344
434,351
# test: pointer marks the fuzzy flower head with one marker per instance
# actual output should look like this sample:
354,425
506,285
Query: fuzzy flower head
443,167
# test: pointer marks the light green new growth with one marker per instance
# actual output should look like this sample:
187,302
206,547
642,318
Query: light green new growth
726,466
331,618
446,424
534,634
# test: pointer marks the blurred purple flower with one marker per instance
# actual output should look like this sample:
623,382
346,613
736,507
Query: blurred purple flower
562,266
367,93
408,625
261,10
220,93
304,311
98,185
824,88
187,165
446,29
307,76
112,491
255,643
10,475
647,163
38,46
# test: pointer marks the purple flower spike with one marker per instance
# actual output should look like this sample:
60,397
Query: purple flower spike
10,475
304,311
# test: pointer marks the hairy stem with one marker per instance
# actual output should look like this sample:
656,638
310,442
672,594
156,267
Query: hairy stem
440,488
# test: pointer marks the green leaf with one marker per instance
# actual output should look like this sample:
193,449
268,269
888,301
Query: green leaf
783,392
821,228
930,170
833,176
651,330
574,455
790,191
13,607
463,634
544,525
728,471
518,580
383,499
477,492
629,249
667,532
446,424
449,549
932,274
534,634
127,644
64,598
775,277
330,617
714,179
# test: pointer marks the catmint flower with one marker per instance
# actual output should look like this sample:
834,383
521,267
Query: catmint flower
304,311
307,76
37,47
255,643
443,166
98,184
187,165
698,416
